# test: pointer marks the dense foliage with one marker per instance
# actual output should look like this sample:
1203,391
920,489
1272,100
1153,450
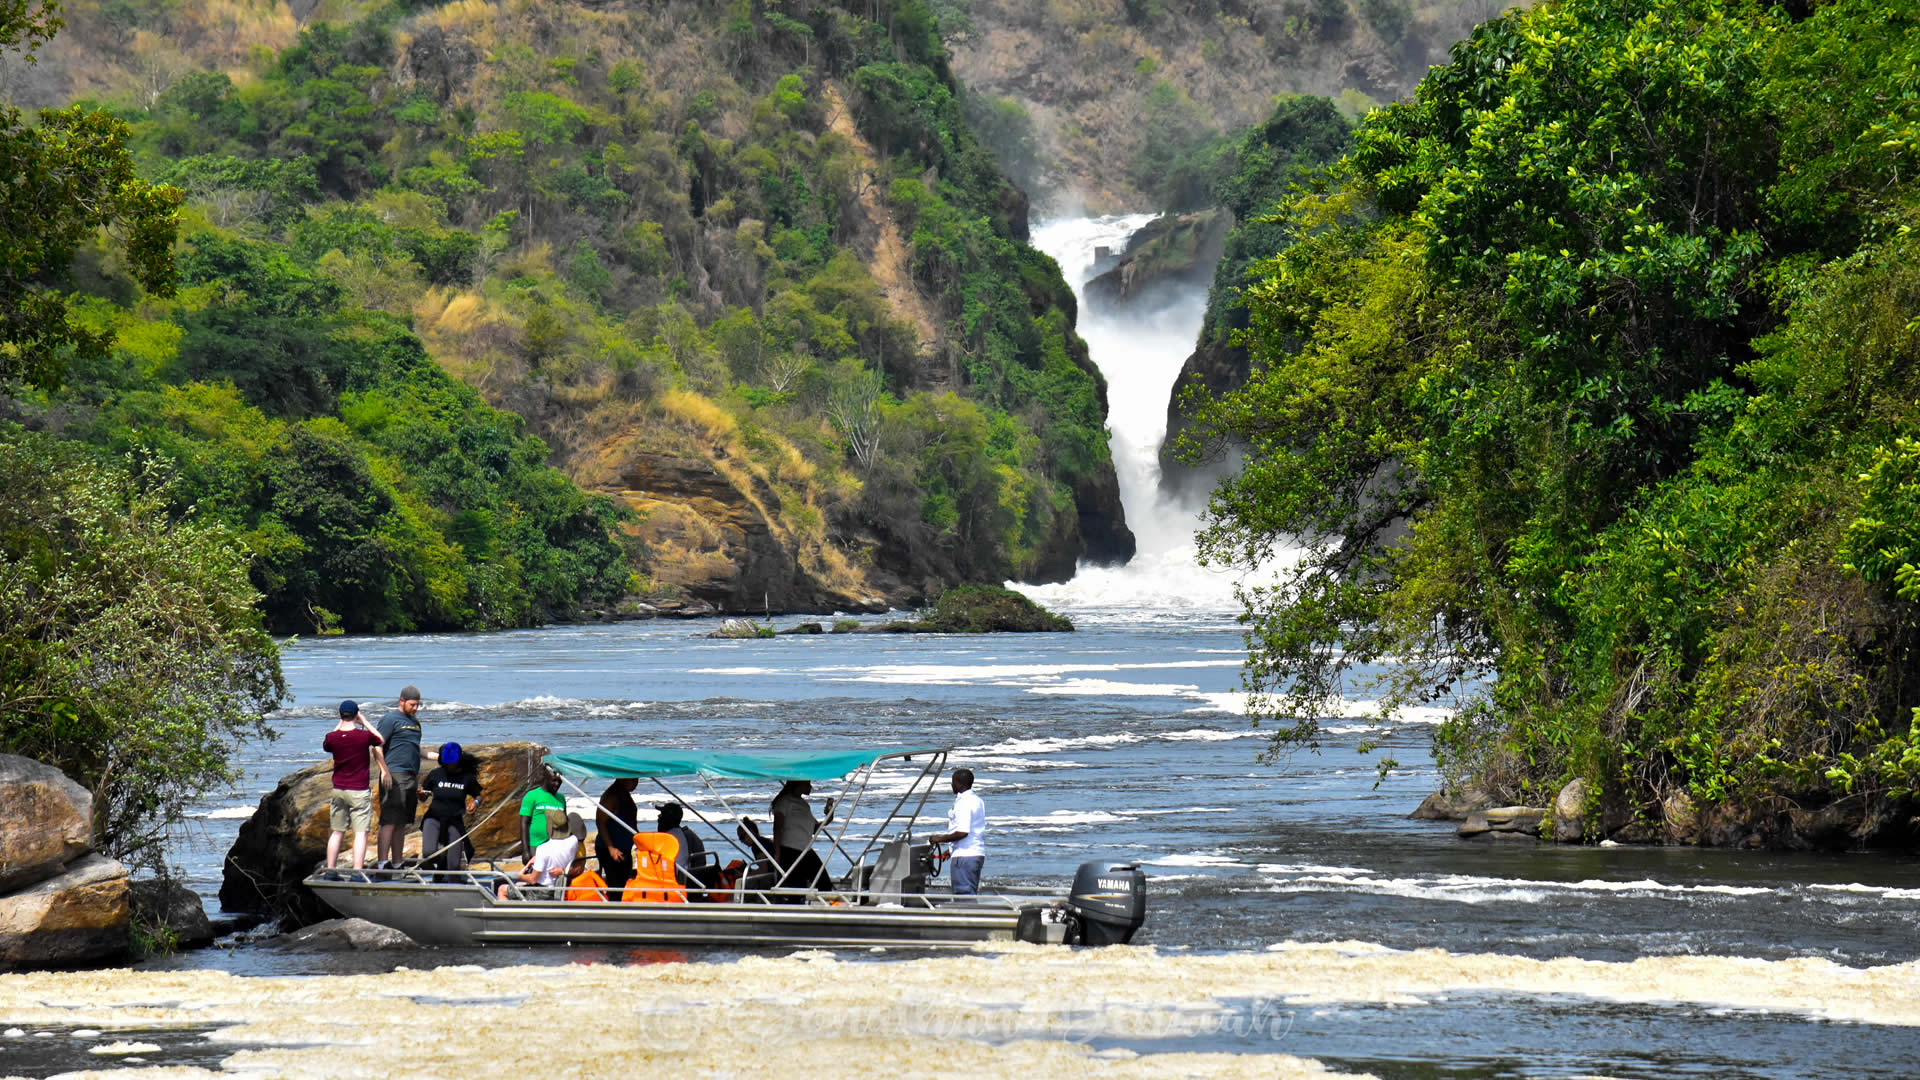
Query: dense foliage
131,654
656,225
1588,384
1253,175
988,609
66,178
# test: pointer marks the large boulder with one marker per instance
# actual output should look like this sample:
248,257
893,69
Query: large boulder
990,609
76,916
1680,817
1504,821
1447,805
45,821
1570,812
344,935
166,905
287,836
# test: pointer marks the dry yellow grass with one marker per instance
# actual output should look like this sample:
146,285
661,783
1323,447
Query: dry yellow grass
704,416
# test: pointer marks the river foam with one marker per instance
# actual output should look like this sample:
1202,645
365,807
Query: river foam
1002,1010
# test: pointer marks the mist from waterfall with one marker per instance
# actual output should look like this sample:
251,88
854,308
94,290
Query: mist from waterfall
1141,355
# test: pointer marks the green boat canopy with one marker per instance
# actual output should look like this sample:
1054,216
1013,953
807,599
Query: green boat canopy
614,761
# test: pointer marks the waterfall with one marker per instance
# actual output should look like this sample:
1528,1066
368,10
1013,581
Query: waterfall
1140,354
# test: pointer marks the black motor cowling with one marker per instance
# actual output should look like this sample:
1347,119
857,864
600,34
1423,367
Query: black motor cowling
1109,901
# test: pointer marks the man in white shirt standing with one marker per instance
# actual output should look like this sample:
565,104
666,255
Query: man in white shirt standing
967,832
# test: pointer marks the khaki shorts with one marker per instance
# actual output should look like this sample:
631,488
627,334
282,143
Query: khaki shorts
398,804
351,811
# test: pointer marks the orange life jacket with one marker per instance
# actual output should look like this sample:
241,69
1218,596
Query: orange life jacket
588,886
653,878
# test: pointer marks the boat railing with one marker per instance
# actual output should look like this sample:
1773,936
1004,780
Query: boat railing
488,879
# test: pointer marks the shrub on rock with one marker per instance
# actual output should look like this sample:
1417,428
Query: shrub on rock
987,609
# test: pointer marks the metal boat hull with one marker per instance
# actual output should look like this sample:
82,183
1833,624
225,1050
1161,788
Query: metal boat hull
467,914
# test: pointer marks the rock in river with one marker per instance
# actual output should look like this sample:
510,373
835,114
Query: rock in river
344,935
59,903
169,905
77,915
45,821
1451,805
1569,812
1504,821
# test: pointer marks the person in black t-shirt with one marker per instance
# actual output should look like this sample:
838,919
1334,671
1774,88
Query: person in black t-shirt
454,787
613,833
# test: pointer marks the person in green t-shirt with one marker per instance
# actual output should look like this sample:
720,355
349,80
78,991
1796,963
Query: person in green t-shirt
533,817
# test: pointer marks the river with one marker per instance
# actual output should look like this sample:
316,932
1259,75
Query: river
1296,914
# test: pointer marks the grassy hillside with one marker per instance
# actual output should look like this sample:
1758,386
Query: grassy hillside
745,270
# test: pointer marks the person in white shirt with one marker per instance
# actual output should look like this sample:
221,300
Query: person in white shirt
553,861
967,832
793,829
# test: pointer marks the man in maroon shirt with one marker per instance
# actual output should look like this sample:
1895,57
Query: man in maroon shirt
352,742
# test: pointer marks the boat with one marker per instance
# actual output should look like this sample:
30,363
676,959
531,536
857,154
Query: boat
879,887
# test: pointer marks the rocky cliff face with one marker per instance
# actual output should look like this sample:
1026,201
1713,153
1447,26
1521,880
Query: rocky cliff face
1098,81
716,534
1164,262
1215,368
682,182
710,527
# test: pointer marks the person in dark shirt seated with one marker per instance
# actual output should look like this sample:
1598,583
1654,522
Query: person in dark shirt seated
755,842
688,864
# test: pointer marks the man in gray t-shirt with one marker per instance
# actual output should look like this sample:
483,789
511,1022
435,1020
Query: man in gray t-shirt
401,730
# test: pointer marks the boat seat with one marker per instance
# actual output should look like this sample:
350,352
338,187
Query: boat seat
758,881
653,877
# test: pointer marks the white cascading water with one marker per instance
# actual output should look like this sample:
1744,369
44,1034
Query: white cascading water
1141,356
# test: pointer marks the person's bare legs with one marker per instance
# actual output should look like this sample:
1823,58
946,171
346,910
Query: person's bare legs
333,849
390,844
359,850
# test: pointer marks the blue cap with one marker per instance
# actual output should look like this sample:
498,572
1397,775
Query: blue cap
450,753
349,708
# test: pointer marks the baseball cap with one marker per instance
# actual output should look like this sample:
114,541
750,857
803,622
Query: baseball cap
409,693
349,708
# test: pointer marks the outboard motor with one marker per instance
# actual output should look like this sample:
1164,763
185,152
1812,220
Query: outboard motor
1108,902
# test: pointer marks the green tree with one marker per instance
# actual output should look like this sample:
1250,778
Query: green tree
1582,382
66,178
131,653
